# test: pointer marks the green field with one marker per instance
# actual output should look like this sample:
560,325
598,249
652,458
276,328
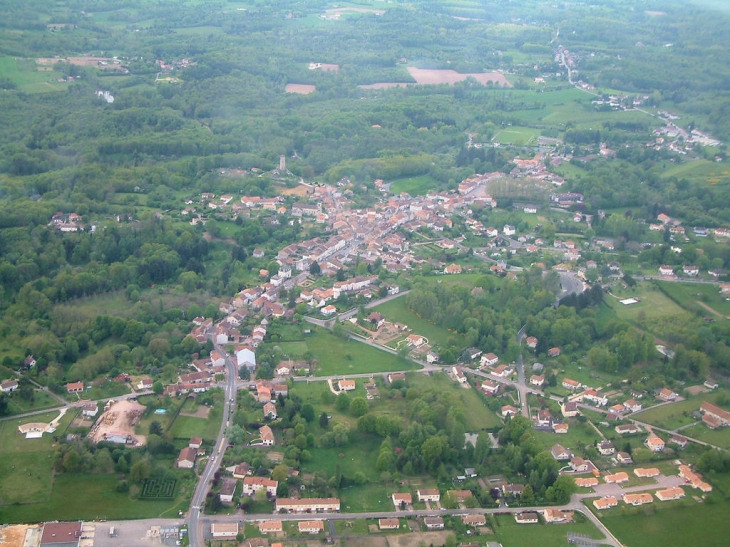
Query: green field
699,525
187,426
696,297
511,534
415,186
338,356
652,302
41,400
667,416
702,171
396,311
24,74
717,437
520,136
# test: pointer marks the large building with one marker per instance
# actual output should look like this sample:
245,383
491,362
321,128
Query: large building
305,505
61,534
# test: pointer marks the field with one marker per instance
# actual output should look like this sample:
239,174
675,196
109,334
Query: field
428,77
520,136
41,400
396,310
415,186
300,89
653,303
701,171
338,356
510,534
700,525
697,297
186,427
717,437
671,415
24,74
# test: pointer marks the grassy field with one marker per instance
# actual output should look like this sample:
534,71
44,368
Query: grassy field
699,525
520,136
41,400
699,171
653,303
667,415
695,296
338,356
187,426
24,74
415,186
396,310
718,437
510,534
99,501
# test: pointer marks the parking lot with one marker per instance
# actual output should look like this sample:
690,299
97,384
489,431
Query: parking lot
132,533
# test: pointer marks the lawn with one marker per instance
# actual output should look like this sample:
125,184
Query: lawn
396,311
360,454
187,426
695,296
100,500
24,73
511,534
665,415
41,400
718,437
293,349
699,171
12,442
521,136
415,186
337,356
702,525
653,303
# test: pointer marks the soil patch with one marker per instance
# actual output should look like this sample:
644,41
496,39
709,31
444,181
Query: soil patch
697,390
300,190
201,412
14,536
119,419
418,538
365,541
301,89
428,76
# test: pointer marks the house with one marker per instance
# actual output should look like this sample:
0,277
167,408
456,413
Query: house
224,530
594,397
654,443
311,526
89,410
329,310
624,458
572,385
396,376
531,342
544,418
8,386
560,428
490,387
251,485
606,448
638,499
537,380
228,489
267,435
669,494
489,360
509,410
434,523
569,409
270,410
646,472
61,534
528,517
605,503
509,230
458,374
474,520
713,416
346,385
513,490
555,516
307,505
680,441
452,269
711,384
460,496
579,465
242,470
75,387
145,383
503,371
694,479
691,271
554,352
633,405
416,340
627,429
376,319
667,394
283,369
560,454
428,494
586,482
245,357
271,527
401,499
666,270
186,459
617,478
195,442
388,524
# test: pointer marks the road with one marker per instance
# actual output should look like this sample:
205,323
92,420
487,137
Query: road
195,530
521,385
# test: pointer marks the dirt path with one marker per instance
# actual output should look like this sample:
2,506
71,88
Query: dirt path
709,309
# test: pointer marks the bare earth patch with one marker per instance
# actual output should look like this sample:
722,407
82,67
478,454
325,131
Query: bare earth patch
301,89
120,418
201,412
301,190
14,536
697,390
426,76
418,538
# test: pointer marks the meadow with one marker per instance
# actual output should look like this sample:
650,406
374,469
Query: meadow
697,297
667,416
511,534
415,186
397,311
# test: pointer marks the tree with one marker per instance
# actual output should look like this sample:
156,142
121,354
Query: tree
342,403
315,268
156,428
359,407
280,473
324,420
140,471
158,388
307,412
528,495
